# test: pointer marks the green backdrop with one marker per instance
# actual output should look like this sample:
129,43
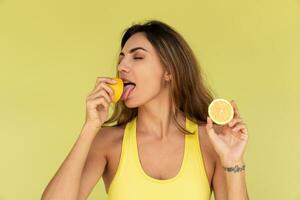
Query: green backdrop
52,51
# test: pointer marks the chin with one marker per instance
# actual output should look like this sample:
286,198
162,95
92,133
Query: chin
131,104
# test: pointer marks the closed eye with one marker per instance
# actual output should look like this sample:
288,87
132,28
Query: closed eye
135,58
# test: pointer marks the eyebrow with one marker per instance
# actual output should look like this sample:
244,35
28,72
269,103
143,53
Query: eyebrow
132,50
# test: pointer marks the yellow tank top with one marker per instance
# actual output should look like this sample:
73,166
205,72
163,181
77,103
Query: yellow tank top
132,183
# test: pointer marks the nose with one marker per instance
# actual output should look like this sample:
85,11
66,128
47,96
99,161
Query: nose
123,68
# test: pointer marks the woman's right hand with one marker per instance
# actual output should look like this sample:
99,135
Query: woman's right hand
98,102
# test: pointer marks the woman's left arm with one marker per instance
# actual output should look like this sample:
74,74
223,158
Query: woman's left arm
235,180
230,143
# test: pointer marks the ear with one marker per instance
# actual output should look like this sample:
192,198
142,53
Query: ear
167,76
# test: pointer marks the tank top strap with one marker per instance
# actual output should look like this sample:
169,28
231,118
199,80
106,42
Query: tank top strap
191,138
127,146
124,157
191,126
195,151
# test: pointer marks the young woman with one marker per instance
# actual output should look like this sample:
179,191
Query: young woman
163,145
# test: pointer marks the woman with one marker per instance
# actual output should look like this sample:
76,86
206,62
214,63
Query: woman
163,145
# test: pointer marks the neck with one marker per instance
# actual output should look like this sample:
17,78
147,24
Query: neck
156,120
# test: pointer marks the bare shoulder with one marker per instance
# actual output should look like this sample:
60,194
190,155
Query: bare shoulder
108,133
208,152
107,137
205,140
97,159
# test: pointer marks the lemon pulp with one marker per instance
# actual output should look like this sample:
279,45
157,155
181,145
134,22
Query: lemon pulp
220,111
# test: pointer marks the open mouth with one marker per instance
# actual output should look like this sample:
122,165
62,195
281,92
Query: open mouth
128,83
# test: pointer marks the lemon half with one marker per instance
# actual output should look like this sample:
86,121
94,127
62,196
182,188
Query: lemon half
117,88
220,111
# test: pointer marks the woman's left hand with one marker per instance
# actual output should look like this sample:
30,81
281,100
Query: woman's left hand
230,143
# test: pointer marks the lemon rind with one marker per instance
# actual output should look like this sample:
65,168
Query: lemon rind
117,98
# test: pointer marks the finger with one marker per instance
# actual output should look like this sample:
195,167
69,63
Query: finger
102,93
100,101
209,124
244,136
209,128
238,127
234,121
105,79
240,135
104,86
235,109
103,103
244,131
236,134
94,103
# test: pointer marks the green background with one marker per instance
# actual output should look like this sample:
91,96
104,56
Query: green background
52,51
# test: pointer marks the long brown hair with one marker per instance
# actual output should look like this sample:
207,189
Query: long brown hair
189,92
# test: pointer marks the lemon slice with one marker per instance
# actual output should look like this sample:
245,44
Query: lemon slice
220,111
117,88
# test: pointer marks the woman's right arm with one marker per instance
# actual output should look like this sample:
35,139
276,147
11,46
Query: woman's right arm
66,183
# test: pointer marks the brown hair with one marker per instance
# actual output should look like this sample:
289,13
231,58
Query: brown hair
189,94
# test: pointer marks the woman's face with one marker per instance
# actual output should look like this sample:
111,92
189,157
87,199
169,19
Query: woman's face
140,64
